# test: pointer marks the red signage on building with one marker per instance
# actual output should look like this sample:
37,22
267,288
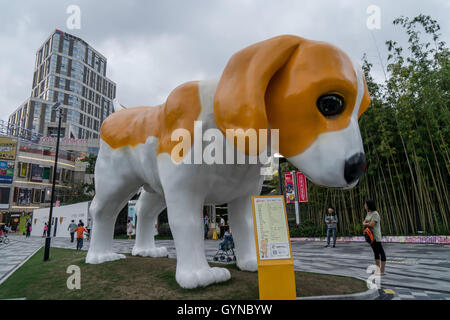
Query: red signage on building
302,188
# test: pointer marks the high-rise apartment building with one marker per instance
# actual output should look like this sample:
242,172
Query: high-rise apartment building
69,71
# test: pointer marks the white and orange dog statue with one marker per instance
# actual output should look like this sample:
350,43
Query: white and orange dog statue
310,91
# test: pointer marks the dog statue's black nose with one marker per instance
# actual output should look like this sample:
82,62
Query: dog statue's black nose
355,167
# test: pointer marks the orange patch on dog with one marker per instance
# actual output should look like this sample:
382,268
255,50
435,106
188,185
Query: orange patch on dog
365,100
181,109
130,127
239,98
276,83
133,126
315,69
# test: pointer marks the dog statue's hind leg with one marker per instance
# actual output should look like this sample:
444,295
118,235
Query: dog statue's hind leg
148,207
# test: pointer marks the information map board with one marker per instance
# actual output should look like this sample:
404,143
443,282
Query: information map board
276,276
271,228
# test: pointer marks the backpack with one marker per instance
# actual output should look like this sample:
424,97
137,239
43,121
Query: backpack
368,235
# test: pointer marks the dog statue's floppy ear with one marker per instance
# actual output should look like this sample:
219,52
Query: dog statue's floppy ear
239,99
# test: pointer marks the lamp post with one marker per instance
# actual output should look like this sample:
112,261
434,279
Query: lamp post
56,107
280,159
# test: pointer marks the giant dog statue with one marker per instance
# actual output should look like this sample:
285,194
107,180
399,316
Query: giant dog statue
311,91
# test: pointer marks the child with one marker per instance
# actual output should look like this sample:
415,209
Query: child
80,230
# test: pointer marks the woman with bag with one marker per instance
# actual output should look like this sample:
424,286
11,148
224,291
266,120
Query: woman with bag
372,223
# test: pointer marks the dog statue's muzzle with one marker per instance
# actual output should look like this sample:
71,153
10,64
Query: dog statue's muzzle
355,167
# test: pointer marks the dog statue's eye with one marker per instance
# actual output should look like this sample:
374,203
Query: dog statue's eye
330,105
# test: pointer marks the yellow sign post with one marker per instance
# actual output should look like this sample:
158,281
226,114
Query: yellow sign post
276,276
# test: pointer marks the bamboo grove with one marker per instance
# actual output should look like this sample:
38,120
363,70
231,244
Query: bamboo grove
406,134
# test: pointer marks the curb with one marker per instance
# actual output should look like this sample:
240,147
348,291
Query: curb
5,277
370,294
435,240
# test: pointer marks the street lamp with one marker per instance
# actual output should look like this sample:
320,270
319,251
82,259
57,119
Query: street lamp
56,107
280,159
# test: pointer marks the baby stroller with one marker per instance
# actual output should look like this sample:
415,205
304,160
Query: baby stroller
226,249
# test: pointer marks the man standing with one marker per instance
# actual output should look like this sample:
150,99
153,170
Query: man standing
222,227
71,228
331,221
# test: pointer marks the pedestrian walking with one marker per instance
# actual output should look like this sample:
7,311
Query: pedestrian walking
28,229
206,223
71,228
372,221
44,234
331,220
129,229
80,230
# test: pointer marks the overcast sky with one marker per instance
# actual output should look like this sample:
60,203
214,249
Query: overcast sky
153,46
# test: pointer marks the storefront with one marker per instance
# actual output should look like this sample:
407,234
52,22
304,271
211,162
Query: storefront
15,220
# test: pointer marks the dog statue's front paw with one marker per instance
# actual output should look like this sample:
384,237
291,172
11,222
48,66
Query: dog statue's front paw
155,252
247,264
190,279
96,258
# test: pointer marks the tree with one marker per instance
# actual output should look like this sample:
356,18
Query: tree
82,191
405,133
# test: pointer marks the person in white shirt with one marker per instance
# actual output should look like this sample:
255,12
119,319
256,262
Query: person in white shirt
129,229
222,227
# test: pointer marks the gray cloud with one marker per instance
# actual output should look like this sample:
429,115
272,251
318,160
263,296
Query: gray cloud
153,46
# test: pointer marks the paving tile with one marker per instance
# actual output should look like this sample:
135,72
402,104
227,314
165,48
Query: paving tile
433,293
348,259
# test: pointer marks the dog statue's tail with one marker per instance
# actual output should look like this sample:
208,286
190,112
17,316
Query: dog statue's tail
117,106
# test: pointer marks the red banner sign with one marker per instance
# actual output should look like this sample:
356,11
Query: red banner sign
289,187
302,188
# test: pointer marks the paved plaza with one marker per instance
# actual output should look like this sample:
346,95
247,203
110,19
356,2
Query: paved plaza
414,271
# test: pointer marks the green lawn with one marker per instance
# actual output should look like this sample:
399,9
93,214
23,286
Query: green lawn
145,278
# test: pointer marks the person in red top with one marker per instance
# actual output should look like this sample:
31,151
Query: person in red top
80,230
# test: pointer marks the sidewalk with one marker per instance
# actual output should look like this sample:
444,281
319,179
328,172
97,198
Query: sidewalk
414,271
17,251
388,239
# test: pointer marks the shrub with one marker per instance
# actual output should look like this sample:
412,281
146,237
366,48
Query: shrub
306,229
164,230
